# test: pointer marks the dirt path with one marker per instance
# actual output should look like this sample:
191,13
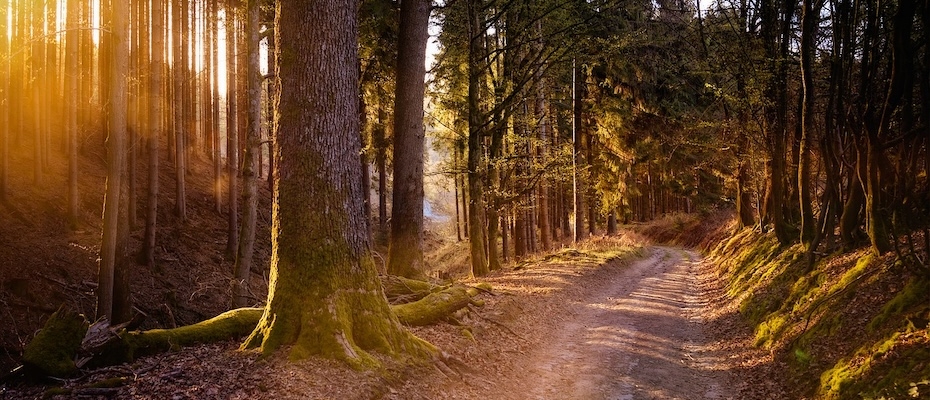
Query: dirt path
638,334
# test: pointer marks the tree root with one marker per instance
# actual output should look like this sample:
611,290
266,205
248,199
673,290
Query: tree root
434,307
105,345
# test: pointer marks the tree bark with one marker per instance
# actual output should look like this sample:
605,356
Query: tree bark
542,108
112,285
38,76
213,34
476,206
577,137
157,126
178,69
381,164
232,134
250,168
405,252
72,91
324,297
809,19
6,97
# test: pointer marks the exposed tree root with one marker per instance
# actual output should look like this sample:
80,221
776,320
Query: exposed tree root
58,349
435,307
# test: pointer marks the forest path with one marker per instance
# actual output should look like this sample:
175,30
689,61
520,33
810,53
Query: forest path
638,333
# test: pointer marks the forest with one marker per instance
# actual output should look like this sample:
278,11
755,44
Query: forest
426,198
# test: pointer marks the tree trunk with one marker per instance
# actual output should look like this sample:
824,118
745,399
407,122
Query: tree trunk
577,133
38,76
7,98
213,33
112,285
157,126
505,236
134,117
476,206
465,228
180,142
743,202
72,91
455,198
250,167
232,134
519,234
405,252
810,17
380,143
852,210
324,296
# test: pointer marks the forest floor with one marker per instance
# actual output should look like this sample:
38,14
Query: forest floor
613,321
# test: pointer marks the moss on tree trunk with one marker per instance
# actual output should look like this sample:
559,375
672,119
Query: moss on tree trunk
324,297
52,351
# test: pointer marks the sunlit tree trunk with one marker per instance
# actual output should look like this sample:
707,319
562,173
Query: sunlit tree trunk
232,134
324,297
37,64
19,92
72,101
157,127
405,253
179,75
6,99
53,100
88,107
250,167
213,40
113,278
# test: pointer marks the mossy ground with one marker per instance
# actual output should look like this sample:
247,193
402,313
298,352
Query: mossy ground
852,326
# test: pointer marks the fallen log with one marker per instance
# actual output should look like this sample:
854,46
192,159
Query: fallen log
116,347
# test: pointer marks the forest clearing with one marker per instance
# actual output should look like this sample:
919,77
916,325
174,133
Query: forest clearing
616,199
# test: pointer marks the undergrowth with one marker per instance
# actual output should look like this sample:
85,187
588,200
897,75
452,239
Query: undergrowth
851,326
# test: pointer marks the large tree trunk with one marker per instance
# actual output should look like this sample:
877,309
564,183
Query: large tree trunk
324,296
405,253
250,168
112,284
